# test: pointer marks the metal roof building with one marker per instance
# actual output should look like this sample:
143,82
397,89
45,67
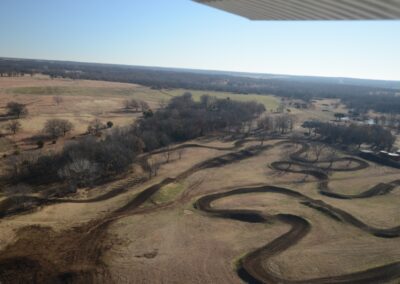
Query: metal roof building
309,9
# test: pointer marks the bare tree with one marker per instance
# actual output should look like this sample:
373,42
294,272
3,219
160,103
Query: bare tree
284,123
281,107
135,104
267,125
66,126
96,126
151,166
167,153
127,104
317,150
180,152
331,156
162,104
14,126
57,127
144,106
286,157
16,109
131,104
58,99
79,172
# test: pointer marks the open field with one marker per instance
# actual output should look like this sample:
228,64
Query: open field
227,211
85,100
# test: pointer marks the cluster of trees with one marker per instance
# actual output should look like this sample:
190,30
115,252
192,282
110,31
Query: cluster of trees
391,121
281,123
16,111
56,128
91,159
82,162
136,105
96,126
14,74
353,134
387,103
183,119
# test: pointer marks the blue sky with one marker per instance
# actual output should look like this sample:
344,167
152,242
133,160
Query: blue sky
182,33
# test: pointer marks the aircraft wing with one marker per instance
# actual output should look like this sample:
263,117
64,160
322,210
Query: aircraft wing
310,9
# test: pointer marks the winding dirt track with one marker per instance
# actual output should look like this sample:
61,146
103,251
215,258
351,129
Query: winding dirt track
251,266
9,206
41,255
310,167
74,256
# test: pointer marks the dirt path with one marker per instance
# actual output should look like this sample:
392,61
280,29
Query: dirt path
310,167
24,204
41,255
251,267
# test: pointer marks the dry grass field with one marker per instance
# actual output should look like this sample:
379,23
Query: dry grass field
84,100
167,237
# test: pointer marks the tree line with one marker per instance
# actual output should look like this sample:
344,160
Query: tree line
374,135
361,97
387,103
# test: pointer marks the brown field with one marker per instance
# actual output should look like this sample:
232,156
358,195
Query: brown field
164,238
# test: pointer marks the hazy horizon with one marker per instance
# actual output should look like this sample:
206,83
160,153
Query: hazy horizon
185,34
200,70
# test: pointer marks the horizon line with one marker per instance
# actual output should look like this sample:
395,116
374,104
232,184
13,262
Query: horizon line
202,70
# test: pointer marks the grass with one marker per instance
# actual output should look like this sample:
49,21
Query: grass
168,193
71,91
5,144
139,92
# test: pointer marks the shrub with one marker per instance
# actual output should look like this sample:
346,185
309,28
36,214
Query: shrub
57,127
40,144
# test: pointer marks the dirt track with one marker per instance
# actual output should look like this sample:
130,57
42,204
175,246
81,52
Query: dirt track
23,204
74,256
252,269
42,256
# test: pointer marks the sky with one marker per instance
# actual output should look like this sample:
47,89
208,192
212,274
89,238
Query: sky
182,33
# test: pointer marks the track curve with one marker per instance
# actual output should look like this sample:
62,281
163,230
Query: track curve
251,267
53,257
